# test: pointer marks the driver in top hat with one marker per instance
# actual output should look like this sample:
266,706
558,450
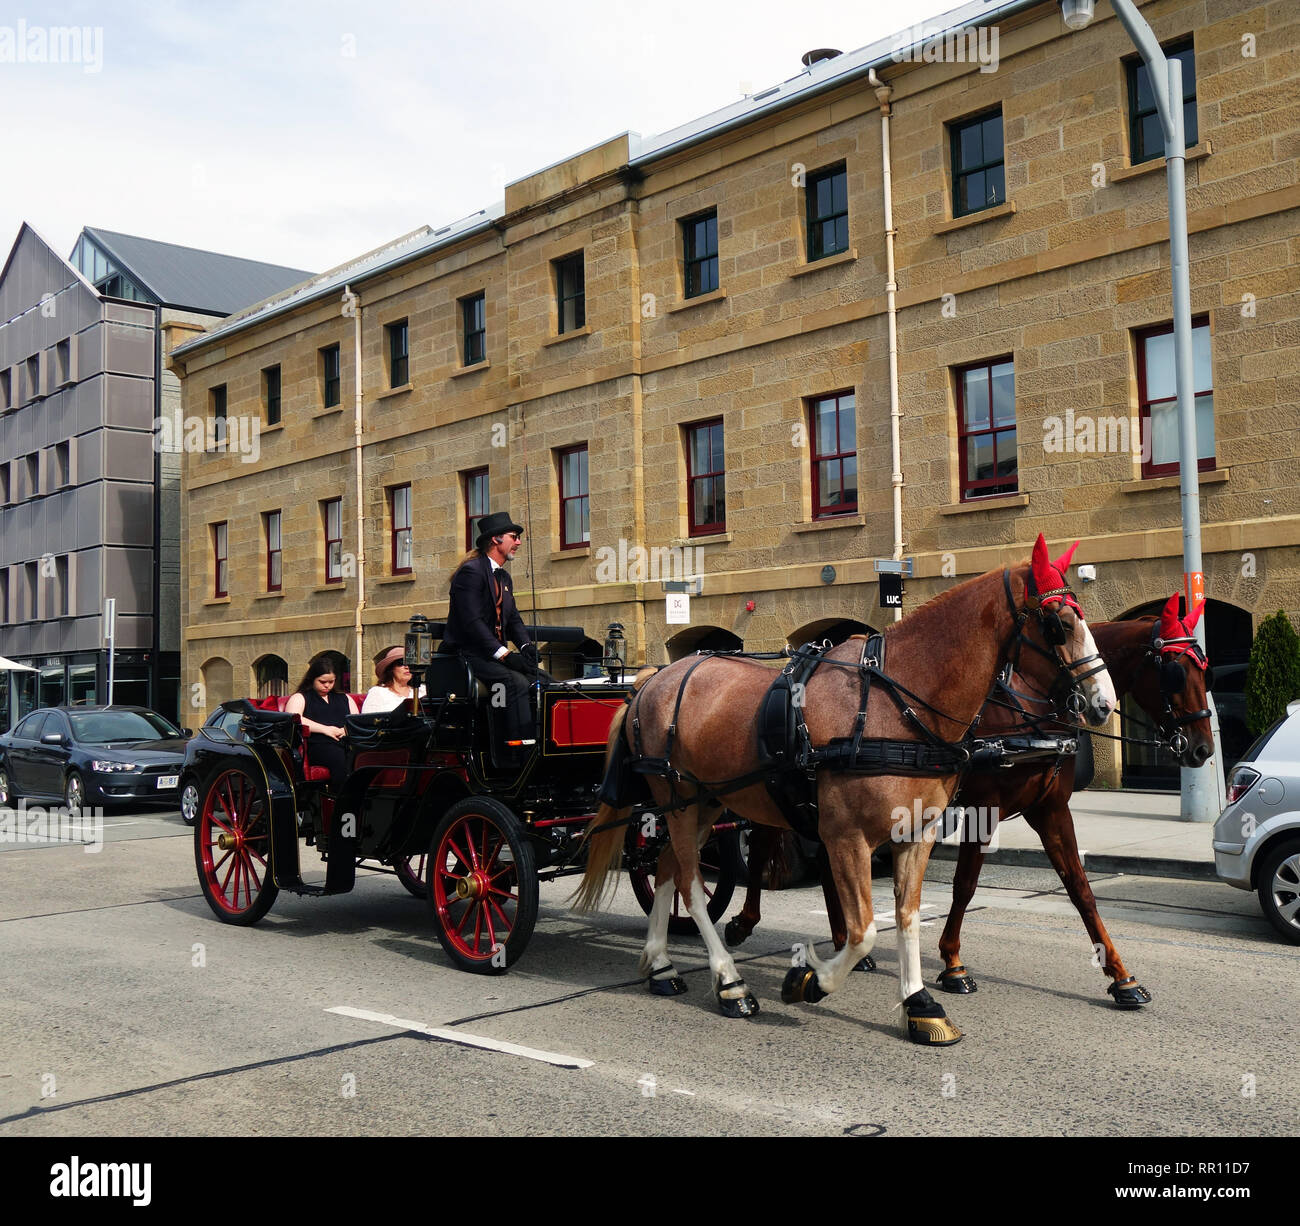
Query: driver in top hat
482,620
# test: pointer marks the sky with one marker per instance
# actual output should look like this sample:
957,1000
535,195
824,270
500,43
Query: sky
306,134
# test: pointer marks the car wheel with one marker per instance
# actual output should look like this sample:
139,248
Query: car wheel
7,795
74,792
189,802
1279,889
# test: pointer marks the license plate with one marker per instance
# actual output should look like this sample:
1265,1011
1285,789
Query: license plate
167,781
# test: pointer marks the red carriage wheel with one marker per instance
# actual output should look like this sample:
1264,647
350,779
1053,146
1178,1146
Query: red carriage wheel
718,860
410,872
481,878
232,848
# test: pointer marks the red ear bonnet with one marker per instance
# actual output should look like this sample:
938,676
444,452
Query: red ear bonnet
1171,626
1050,578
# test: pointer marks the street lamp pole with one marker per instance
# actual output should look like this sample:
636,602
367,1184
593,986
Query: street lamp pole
1201,799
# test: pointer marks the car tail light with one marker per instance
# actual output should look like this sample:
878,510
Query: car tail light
1241,781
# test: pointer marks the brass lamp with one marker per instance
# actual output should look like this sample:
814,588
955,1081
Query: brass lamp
614,658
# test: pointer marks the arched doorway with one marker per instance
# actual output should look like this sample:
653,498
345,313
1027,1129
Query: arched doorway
1228,636
834,629
218,682
702,638
270,676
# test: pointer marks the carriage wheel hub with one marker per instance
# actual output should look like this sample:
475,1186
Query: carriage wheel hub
227,841
471,886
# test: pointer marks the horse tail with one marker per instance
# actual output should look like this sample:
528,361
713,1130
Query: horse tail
606,831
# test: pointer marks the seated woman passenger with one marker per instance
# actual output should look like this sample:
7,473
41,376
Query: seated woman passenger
323,712
394,677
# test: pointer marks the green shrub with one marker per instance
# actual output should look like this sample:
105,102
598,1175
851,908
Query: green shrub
1273,674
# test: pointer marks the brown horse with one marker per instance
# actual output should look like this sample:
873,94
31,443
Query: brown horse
1148,657
697,721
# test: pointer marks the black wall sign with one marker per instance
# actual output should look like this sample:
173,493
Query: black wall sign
891,591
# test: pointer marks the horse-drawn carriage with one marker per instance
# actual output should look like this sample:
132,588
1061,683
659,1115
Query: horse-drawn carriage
429,797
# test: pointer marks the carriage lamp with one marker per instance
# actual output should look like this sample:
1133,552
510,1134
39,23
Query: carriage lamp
419,646
614,658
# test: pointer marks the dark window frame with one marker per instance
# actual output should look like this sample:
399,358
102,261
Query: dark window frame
396,529
961,171
822,510
468,478
473,325
272,389
333,574
218,409
972,490
816,221
567,496
331,384
274,550
221,559
1134,70
1150,469
699,267
570,274
717,475
397,336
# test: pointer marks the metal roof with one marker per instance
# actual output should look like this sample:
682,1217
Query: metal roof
193,280
820,77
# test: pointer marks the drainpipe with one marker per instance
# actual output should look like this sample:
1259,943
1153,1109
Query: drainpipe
883,94
352,305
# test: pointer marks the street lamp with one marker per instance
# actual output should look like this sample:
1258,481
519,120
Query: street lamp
1201,798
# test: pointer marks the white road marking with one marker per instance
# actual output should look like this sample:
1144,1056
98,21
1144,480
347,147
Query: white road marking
465,1040
688,1093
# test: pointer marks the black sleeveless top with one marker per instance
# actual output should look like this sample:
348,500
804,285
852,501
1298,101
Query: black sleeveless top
333,711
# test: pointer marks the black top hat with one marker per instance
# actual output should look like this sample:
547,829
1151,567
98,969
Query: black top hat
496,524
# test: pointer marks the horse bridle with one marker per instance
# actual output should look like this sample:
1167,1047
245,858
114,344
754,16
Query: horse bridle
1066,693
1173,680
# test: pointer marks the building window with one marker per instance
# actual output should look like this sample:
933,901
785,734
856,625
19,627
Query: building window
700,253
274,557
4,600
34,377
570,293
219,559
5,498
1158,398
330,366
31,597
6,390
1146,138
62,465
272,677
828,212
332,513
575,511
476,502
399,361
271,394
63,362
834,455
706,494
217,416
978,174
399,508
473,323
986,429
61,590
33,474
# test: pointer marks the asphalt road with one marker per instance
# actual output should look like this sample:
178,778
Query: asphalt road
128,1010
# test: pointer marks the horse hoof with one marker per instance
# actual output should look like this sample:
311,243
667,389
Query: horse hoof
735,933
674,986
926,1024
739,1006
957,979
866,963
1129,994
801,985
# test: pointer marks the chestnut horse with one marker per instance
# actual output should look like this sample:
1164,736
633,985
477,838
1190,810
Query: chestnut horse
939,664
1154,659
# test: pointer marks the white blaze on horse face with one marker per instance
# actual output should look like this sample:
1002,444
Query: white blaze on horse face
1098,689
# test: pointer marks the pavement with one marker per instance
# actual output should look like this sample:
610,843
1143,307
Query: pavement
1139,833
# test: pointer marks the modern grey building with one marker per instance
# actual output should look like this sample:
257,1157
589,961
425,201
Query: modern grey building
89,506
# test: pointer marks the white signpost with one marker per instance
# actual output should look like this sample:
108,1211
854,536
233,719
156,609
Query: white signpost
110,631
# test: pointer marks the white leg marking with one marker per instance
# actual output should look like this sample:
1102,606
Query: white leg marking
720,961
654,957
832,974
909,957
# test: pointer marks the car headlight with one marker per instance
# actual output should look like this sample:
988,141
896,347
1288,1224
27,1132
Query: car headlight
109,768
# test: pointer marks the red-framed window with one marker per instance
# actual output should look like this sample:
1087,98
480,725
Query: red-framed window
833,427
476,501
274,558
986,429
220,557
1158,399
575,509
399,512
332,512
706,478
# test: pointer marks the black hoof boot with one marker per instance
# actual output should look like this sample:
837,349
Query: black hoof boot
735,933
924,1022
866,963
674,985
1129,994
801,985
957,979
740,1006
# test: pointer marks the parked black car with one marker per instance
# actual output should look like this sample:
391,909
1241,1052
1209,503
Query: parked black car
221,724
96,756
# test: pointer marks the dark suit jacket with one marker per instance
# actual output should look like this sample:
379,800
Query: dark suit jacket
471,617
